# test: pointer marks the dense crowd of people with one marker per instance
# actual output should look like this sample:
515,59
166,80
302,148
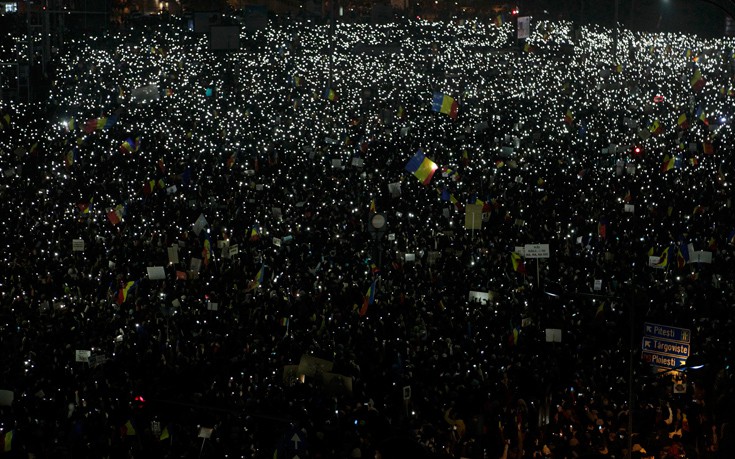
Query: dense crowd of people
190,267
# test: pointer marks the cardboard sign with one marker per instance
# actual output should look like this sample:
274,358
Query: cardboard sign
156,273
173,254
199,224
473,216
311,366
481,297
553,335
83,355
77,245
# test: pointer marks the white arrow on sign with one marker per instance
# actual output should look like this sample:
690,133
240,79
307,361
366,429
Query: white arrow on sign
296,440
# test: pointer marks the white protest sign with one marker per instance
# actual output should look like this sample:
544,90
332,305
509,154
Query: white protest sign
536,250
629,208
234,250
195,265
199,224
598,284
6,397
173,254
700,256
653,261
156,273
524,27
145,93
481,297
77,245
394,189
83,355
553,335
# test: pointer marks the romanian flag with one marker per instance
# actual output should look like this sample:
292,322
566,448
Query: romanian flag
165,434
680,260
442,103
600,312
656,128
206,250
368,299
71,124
663,260
372,206
8,441
450,173
515,332
619,68
401,112
151,185
128,428
499,20
122,294
130,145
283,322
5,121
116,215
447,196
254,233
85,207
330,94
707,148
701,116
298,81
668,163
697,81
70,158
683,122
422,167
569,117
231,160
259,279
518,265
602,229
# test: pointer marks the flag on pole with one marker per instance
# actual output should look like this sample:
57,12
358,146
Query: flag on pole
122,294
330,94
569,117
8,441
422,167
259,279
368,299
668,164
442,103
130,145
663,260
518,265
697,81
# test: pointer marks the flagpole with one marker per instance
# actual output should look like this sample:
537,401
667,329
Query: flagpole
538,277
615,31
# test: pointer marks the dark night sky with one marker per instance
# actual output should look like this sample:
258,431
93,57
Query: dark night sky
693,16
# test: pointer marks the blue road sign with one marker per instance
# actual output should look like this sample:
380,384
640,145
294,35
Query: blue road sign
681,335
666,347
663,361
